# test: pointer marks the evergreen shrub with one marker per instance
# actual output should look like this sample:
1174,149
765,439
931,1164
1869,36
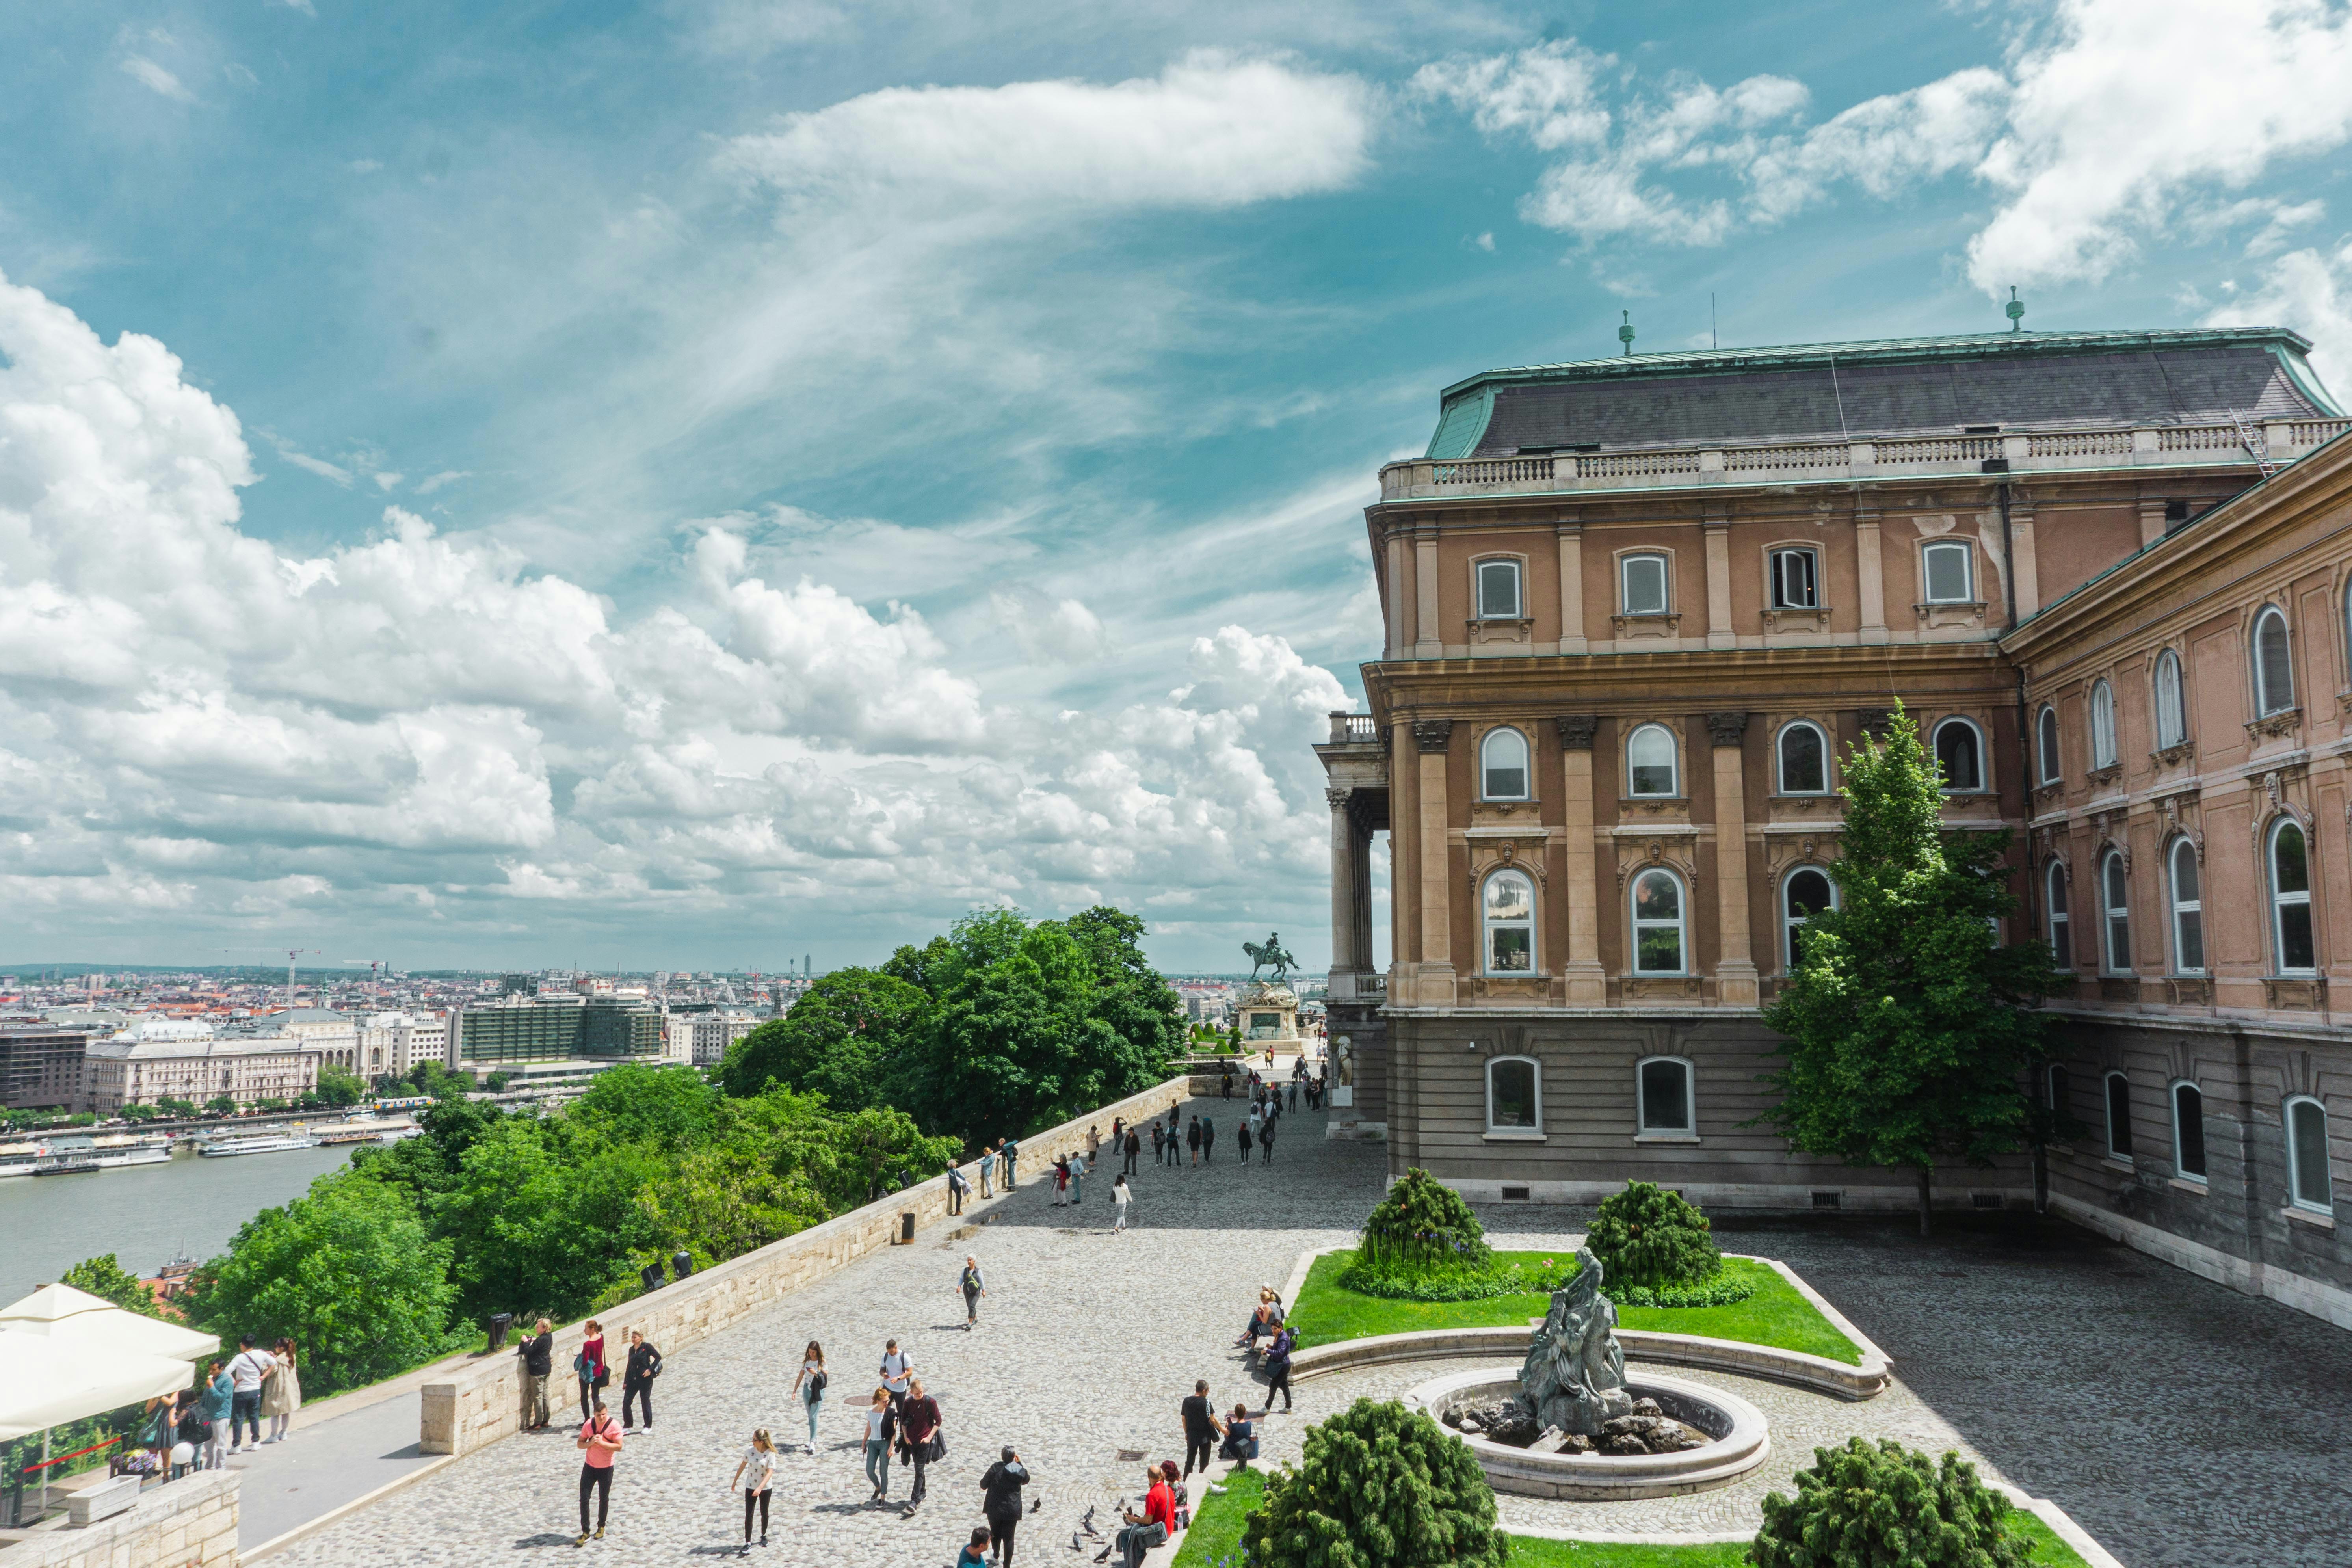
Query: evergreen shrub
1884,1506
1377,1486
1646,1236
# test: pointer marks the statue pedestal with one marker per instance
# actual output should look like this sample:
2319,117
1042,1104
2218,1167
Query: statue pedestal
1268,1014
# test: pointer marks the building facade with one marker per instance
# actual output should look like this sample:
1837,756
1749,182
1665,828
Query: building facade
41,1066
527,1029
174,1059
1635,612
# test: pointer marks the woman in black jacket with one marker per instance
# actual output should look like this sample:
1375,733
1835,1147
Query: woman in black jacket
1001,1505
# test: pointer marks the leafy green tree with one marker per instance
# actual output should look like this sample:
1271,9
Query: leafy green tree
347,1272
221,1105
171,1105
1378,1486
337,1087
1910,1031
104,1277
844,1039
1647,1236
496,1082
1887,1507
634,1103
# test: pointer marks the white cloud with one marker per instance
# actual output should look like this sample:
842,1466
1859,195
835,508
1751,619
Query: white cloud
427,486
1063,633
155,78
2311,291
331,472
386,483
1550,93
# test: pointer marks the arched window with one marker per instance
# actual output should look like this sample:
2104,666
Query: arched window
1499,590
1658,933
2187,1131
2188,911
1664,1086
1642,585
1510,917
2054,905
2273,666
1946,567
1806,893
2103,725
2046,734
1650,761
1959,756
2119,1138
2115,900
1503,765
2291,899
2171,709
1514,1095
2308,1186
1804,760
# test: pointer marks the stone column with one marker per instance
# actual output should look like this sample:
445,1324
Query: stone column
1400,640
1359,874
1719,633
1873,576
1587,982
2151,522
2021,560
1571,587
1735,969
1432,738
1429,637
1344,958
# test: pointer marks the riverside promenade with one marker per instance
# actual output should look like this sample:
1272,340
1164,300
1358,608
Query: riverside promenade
1087,1340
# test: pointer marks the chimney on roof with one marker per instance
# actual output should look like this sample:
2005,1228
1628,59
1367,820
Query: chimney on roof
1626,332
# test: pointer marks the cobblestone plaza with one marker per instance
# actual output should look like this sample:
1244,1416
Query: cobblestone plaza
2178,1421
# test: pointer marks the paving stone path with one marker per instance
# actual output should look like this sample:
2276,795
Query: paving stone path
2076,1369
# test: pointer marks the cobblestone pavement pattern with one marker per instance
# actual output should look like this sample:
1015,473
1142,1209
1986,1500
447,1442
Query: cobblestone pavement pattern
2081,1371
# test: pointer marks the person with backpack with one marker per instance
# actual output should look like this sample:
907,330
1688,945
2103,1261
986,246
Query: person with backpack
919,1440
645,1364
1134,1150
1266,1144
600,1442
1242,1137
810,1386
973,1288
1200,1428
898,1371
1000,1504
1208,1140
589,1367
760,1461
1192,1140
1159,1143
537,1353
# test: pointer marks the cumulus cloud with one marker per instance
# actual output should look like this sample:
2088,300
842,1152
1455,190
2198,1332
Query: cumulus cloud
2311,291
1062,633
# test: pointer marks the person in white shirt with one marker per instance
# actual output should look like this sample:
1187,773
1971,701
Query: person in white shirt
1119,1195
246,1375
752,1474
895,1370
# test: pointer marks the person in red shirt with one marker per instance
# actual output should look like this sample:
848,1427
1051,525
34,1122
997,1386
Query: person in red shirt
1156,1522
919,1428
600,1439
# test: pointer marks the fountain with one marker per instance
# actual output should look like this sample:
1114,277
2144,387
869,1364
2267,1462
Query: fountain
1570,1424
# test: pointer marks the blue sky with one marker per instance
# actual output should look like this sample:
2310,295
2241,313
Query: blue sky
692,483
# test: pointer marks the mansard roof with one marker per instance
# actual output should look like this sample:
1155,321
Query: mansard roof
1888,389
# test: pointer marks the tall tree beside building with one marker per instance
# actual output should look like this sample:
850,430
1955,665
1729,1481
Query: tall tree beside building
843,1039
1910,1028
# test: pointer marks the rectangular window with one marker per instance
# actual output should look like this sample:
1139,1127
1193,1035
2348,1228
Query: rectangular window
1499,590
1645,585
1665,1097
1947,575
1795,580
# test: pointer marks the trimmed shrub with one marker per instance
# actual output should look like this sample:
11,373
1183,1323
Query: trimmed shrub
1646,1235
1423,1225
1722,1291
1887,1507
1378,1486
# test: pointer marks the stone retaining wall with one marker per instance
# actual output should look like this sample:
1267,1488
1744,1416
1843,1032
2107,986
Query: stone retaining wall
482,1403
187,1523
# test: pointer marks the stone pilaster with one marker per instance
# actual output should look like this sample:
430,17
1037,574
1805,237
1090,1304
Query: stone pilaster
1735,969
1434,987
1587,982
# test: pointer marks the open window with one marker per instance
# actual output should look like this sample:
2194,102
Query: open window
2053,914
2187,1131
2103,725
2045,745
2120,1129
1796,579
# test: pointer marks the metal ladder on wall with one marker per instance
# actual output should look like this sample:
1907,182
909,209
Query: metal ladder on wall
2257,445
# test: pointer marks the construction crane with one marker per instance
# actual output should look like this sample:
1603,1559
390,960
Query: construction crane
291,955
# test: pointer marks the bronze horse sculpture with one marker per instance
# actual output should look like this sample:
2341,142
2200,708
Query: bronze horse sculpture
1270,955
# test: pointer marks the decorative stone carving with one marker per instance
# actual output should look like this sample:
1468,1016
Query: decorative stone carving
1576,730
1574,1376
2271,726
1726,729
2173,756
1335,798
1433,735
2105,775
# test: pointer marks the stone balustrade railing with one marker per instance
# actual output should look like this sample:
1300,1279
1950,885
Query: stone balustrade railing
1354,730
2048,451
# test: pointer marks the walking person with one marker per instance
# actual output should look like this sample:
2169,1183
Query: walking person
1077,1181
973,1288
589,1368
1242,1137
1094,1144
1118,1197
1000,1503
600,1441
645,1364
1208,1140
1159,1143
1202,1428
898,1371
219,1399
975,1551
1192,1140
537,1354
247,1372
1134,1147
757,1468
1277,1368
1264,1144
919,1439
881,1427
810,1386
281,1392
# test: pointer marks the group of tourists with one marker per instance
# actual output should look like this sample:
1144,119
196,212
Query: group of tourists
202,1427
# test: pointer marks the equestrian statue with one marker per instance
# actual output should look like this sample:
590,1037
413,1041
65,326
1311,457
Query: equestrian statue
1270,955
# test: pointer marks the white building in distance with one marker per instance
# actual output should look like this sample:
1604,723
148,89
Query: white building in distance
176,1058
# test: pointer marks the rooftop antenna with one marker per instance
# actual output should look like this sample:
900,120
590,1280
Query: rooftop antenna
2015,308
1626,332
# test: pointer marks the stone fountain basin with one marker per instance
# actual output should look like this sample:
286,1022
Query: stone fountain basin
1737,1442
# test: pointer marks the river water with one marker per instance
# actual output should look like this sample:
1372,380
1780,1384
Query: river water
143,1213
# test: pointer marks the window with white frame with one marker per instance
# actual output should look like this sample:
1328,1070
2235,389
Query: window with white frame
1948,568
2053,913
1651,763
1503,765
2171,707
2188,911
2308,1185
2103,725
1498,590
2274,664
1514,1095
2115,900
1959,757
1664,1086
1642,584
1804,759
2187,1131
1796,579
2045,742
1659,936
1509,910
1806,893
2291,937
2120,1129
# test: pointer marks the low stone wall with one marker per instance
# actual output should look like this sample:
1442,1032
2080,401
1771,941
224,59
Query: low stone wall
187,1523
477,1405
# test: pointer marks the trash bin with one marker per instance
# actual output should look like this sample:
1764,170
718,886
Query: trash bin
499,1323
907,1228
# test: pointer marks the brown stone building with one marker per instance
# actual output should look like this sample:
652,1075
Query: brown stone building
1636,609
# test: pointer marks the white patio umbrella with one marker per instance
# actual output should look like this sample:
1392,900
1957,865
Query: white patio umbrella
46,1381
62,1312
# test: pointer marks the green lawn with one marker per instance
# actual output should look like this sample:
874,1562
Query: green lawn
1775,1315
1215,1540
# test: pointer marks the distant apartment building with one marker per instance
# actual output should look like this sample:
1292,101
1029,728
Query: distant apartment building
391,1044
173,1059
714,1032
336,1035
678,1037
565,1028
41,1066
